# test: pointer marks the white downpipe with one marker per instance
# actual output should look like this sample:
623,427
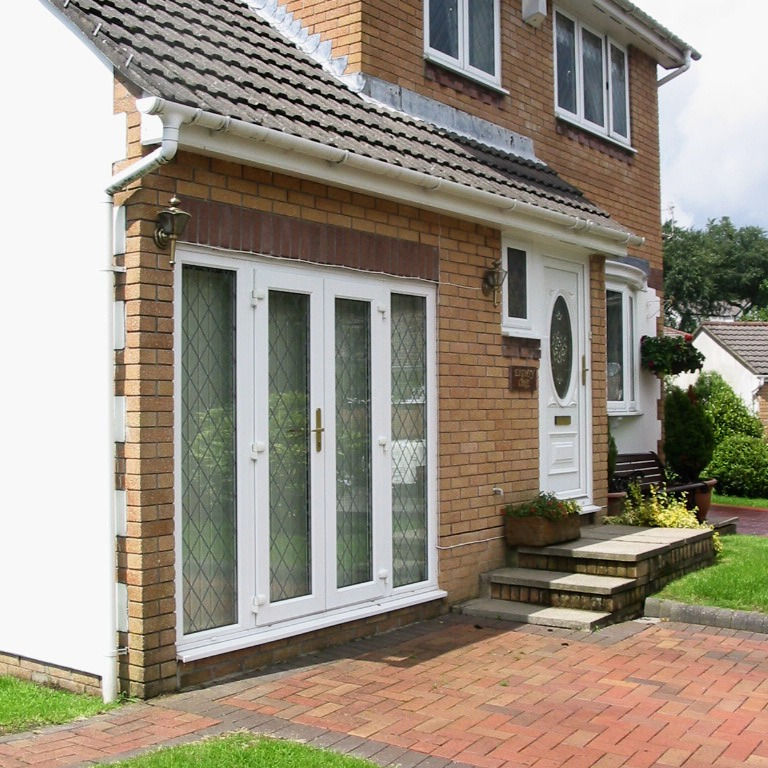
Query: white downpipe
180,113
109,675
163,154
677,72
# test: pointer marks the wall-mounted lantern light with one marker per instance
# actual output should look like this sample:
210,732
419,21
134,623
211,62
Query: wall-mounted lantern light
493,279
171,223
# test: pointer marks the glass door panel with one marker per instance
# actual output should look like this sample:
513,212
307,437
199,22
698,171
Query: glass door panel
290,514
354,542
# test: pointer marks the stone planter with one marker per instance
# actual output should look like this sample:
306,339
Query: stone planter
540,532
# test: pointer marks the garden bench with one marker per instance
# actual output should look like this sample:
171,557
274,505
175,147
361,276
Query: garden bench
647,469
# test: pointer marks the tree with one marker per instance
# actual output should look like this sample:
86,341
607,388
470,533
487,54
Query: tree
708,271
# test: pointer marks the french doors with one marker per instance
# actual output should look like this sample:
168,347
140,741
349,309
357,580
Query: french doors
305,443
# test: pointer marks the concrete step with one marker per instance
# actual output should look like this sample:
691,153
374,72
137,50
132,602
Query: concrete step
558,589
526,613
559,580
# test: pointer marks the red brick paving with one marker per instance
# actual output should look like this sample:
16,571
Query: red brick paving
486,695
751,520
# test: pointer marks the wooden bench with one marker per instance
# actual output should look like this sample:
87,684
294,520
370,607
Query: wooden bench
646,469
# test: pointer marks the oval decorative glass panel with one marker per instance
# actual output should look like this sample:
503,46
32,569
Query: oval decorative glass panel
561,347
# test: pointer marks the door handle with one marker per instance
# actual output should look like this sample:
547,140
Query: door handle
584,370
318,430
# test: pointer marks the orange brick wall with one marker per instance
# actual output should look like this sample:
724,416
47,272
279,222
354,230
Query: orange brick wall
51,675
762,405
390,46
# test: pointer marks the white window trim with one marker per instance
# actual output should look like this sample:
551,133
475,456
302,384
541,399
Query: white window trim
604,131
244,632
519,327
629,281
461,64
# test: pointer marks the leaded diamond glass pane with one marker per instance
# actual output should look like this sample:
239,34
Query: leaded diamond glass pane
290,554
619,91
208,518
561,347
444,26
409,439
594,77
615,344
566,63
353,442
482,44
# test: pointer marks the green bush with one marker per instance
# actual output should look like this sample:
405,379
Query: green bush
689,437
725,409
740,464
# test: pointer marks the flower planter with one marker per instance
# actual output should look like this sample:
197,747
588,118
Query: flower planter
702,498
540,532
615,505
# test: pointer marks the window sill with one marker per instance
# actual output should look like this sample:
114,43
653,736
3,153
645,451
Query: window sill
616,413
574,122
490,83
520,333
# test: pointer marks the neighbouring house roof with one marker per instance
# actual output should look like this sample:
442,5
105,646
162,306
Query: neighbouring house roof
222,57
746,341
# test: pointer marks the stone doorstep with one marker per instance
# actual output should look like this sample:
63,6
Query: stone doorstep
618,543
527,613
558,580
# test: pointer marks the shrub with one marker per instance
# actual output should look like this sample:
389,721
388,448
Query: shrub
689,437
725,410
740,464
658,509
545,505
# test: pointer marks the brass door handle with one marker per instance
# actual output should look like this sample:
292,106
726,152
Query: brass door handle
318,430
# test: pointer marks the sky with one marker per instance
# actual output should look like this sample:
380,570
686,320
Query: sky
714,118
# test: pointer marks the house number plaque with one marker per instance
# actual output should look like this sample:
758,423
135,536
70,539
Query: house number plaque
522,378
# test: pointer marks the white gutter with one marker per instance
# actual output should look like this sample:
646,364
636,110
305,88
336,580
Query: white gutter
677,72
443,193
163,154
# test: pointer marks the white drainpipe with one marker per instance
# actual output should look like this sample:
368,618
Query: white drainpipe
163,154
677,72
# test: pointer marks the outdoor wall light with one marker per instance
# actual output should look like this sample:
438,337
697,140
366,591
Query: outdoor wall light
171,223
493,279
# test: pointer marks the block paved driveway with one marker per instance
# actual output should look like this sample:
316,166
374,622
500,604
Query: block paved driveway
453,691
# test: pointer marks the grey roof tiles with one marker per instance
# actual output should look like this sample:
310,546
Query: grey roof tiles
748,341
221,56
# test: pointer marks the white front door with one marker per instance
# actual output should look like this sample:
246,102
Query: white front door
564,383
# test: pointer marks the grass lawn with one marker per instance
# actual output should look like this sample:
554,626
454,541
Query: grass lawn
738,501
243,750
25,705
736,581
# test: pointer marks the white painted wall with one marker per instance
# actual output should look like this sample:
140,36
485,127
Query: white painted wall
58,135
743,382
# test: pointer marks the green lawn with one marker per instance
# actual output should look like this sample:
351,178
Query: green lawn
739,501
243,750
24,705
737,580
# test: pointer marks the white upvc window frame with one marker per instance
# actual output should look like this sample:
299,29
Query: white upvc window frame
461,63
513,325
578,118
625,280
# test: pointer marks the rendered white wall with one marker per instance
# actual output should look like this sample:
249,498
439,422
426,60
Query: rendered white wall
58,135
744,383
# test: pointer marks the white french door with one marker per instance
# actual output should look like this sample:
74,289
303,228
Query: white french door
305,442
323,487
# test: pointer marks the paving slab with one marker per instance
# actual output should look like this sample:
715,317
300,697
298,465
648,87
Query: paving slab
566,582
511,610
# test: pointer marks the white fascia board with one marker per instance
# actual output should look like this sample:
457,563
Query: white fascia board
230,139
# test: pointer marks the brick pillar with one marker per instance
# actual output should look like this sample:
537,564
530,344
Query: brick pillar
145,376
599,381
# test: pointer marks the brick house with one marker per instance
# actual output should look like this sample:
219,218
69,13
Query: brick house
424,243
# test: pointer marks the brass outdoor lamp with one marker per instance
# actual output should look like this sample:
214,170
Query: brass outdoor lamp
171,223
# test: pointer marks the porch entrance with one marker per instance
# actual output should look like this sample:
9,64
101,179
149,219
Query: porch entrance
564,429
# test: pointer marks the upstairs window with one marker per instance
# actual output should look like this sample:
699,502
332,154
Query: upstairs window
591,78
464,35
